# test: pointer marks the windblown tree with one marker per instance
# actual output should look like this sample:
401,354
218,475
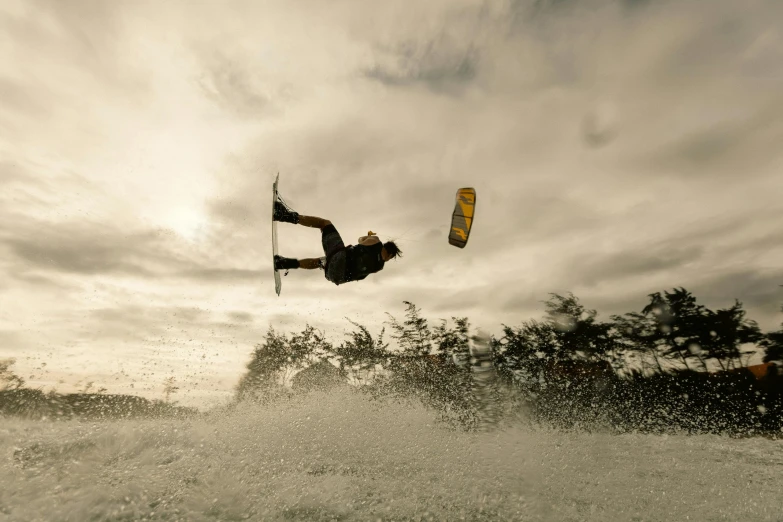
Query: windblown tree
304,349
89,388
413,334
679,321
169,388
773,345
675,327
8,379
569,333
411,369
452,358
361,354
560,366
267,361
725,332
427,364
522,352
579,336
321,375
277,358
638,335
453,343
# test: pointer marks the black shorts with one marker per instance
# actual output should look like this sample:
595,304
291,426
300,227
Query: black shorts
333,245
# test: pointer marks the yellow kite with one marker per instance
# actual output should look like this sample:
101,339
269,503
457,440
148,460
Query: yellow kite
462,218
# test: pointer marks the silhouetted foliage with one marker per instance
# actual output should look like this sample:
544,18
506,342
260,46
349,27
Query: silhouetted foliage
645,370
569,333
453,342
413,334
674,327
169,387
277,355
361,354
35,404
578,335
724,333
678,319
318,376
773,345
638,336
8,379
19,401
675,365
431,365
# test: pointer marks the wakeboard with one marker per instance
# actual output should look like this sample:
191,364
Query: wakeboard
278,282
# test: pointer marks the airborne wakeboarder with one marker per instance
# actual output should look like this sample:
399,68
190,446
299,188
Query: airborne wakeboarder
341,263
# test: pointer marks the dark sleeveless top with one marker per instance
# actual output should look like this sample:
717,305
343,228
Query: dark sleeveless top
363,261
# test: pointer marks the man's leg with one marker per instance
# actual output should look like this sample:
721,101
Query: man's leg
313,222
329,236
286,215
310,263
288,263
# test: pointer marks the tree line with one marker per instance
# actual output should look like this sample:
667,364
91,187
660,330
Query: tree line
676,365
19,400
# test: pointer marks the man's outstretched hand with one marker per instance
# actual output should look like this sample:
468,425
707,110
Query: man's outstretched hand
369,239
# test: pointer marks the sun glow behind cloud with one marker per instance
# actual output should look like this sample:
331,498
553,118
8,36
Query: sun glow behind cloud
189,223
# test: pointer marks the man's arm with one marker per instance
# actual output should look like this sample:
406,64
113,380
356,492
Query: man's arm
369,239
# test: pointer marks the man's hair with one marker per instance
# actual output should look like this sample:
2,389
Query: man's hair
392,249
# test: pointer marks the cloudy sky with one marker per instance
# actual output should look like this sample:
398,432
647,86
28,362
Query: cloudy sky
618,148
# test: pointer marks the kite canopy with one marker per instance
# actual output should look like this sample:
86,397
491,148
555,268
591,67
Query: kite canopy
462,218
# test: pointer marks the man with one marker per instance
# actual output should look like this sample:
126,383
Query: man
341,264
